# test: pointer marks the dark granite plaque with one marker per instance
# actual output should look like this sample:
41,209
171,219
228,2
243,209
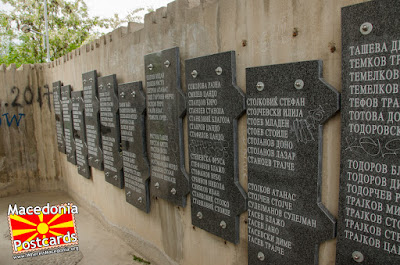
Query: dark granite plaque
80,133
58,115
110,130
369,209
132,112
287,105
214,105
68,128
165,110
92,119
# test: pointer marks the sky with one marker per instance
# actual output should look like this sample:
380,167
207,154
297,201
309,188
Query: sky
107,8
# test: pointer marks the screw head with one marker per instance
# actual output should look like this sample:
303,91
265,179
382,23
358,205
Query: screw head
157,185
140,199
199,215
218,71
194,73
133,94
173,191
366,28
299,84
122,94
150,66
260,256
222,224
167,63
260,86
357,256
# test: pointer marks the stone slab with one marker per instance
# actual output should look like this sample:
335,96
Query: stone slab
287,105
132,109
110,130
78,117
215,104
165,111
68,129
58,115
369,211
92,119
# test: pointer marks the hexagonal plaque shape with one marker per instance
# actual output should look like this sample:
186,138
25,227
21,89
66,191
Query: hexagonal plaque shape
214,105
165,111
58,115
68,129
132,113
110,130
287,105
78,117
369,211
92,119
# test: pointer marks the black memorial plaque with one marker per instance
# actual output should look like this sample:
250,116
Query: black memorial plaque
68,128
59,116
369,209
215,103
165,111
92,119
110,130
132,111
287,105
78,118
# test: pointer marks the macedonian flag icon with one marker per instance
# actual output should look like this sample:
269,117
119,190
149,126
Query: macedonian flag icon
45,228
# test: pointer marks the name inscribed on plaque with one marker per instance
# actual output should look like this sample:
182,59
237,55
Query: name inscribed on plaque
287,105
369,211
214,105
166,108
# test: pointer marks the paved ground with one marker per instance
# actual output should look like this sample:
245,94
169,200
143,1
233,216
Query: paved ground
96,244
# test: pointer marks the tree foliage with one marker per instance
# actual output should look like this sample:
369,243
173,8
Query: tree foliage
69,27
68,22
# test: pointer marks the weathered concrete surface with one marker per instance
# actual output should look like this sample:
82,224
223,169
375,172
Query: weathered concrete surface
262,32
28,160
97,242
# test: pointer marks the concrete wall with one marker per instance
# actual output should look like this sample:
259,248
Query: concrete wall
28,159
262,32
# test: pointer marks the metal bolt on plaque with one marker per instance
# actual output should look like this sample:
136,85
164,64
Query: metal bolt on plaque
222,224
199,215
261,256
366,28
299,84
358,256
260,86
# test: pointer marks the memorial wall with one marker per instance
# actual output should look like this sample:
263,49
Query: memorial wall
239,132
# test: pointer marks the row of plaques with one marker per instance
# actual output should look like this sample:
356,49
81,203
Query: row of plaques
137,139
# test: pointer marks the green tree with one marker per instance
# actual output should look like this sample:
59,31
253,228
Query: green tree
69,27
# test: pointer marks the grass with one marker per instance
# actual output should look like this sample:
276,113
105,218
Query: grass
139,259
